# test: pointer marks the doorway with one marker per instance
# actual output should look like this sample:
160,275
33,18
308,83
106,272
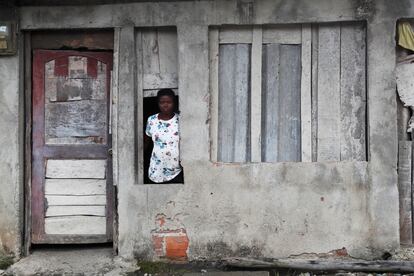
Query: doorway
71,185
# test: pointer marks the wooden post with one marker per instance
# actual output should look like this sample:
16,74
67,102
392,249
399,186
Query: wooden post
214,52
329,93
114,107
140,107
306,99
256,95
404,189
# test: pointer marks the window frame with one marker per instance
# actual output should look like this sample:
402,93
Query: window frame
257,35
172,82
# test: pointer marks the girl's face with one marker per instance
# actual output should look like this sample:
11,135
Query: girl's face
166,104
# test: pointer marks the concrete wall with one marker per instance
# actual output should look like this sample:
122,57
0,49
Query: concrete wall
11,148
10,153
271,210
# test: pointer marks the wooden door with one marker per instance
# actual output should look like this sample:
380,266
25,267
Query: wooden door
72,192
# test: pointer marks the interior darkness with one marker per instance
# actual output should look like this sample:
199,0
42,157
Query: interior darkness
150,108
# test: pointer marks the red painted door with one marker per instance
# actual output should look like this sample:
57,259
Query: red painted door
71,188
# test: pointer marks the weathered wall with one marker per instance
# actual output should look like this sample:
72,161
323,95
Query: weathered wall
10,145
270,210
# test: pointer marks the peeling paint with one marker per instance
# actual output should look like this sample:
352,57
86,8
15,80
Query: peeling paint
335,253
170,241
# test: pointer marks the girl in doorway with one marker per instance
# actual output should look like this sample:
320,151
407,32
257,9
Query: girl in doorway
164,130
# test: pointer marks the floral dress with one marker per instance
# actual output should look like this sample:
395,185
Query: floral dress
165,157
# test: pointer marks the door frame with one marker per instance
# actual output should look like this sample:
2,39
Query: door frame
26,58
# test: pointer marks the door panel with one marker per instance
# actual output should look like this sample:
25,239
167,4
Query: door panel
75,225
72,192
82,168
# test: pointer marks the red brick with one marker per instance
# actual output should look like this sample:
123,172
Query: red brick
176,247
341,252
158,243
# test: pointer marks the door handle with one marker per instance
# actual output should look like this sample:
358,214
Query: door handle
110,151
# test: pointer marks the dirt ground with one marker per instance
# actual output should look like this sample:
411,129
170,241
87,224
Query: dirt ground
100,261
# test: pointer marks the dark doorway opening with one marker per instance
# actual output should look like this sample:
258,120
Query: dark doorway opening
151,108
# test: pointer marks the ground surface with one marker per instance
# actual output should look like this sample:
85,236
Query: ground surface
63,261
5,261
100,261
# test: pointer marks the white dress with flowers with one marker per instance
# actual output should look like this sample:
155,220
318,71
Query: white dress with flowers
165,157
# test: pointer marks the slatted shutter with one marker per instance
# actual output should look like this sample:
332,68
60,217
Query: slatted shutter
234,98
288,93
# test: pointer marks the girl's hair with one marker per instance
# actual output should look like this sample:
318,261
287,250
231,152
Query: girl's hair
166,92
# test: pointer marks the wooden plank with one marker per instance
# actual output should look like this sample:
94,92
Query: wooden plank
94,39
236,34
168,50
324,265
405,191
329,93
75,225
150,51
38,132
110,104
75,186
114,104
281,101
74,239
75,152
270,102
353,92
214,90
289,124
226,108
58,211
79,122
256,95
241,98
25,42
315,54
51,81
305,95
158,81
234,95
282,34
75,168
112,218
140,107
76,200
